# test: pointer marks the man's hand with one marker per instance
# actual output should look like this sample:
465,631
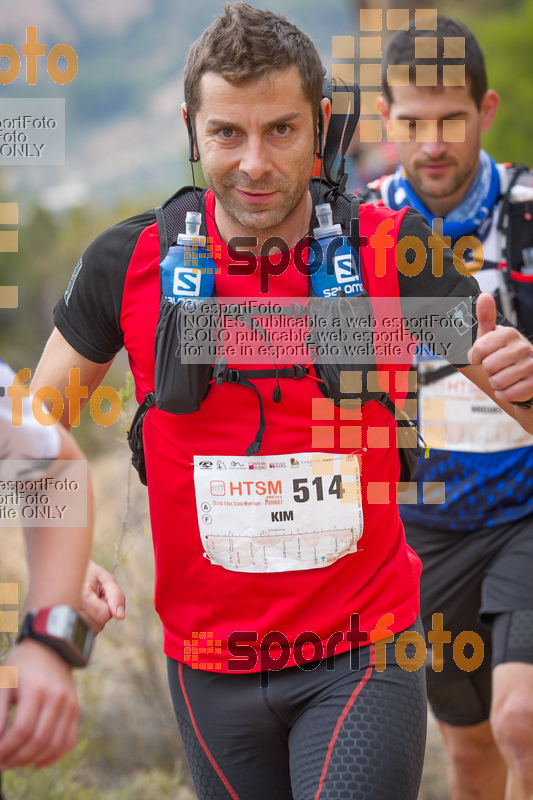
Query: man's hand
101,598
45,724
503,354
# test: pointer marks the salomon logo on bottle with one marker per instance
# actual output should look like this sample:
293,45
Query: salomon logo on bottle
345,267
179,280
342,276
187,282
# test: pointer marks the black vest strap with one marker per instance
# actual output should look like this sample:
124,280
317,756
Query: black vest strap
503,218
426,378
163,236
354,224
340,131
135,437
224,375
410,443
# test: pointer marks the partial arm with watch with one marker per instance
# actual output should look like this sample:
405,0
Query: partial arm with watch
52,640
63,630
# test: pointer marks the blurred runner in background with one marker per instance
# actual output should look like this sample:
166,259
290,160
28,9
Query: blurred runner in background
45,723
475,538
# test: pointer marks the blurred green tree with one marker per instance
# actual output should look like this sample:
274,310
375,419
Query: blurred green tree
506,36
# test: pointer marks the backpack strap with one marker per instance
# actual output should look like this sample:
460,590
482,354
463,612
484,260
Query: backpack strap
341,203
135,437
354,224
426,378
241,377
162,230
507,289
410,443
340,131
503,219
171,215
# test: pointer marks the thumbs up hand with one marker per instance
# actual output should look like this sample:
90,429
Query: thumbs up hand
504,355
485,344
485,314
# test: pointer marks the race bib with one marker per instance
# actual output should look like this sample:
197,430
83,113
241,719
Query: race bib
278,513
470,421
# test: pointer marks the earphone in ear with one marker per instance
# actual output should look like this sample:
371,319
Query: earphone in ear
320,153
192,144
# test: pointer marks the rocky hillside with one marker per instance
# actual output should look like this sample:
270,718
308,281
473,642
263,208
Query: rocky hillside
123,124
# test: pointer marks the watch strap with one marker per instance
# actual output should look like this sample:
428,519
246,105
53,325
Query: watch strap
70,654
25,631
523,403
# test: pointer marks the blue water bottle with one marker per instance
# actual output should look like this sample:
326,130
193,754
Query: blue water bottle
183,361
339,270
188,271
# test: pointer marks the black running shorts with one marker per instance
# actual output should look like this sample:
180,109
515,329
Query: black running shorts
324,732
481,582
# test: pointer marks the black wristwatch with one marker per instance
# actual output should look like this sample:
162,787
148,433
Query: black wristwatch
523,403
62,629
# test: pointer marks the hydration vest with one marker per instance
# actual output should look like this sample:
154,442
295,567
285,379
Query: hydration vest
180,388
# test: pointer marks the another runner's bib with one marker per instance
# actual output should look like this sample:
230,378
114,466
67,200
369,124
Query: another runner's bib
278,513
470,421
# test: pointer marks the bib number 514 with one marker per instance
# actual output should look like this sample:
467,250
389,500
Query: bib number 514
302,492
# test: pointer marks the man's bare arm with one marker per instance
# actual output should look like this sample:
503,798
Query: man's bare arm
102,598
58,557
57,360
45,722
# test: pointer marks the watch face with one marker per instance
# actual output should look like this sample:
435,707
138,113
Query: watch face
79,635
60,622
64,631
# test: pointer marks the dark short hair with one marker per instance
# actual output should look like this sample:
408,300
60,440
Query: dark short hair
401,50
246,43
